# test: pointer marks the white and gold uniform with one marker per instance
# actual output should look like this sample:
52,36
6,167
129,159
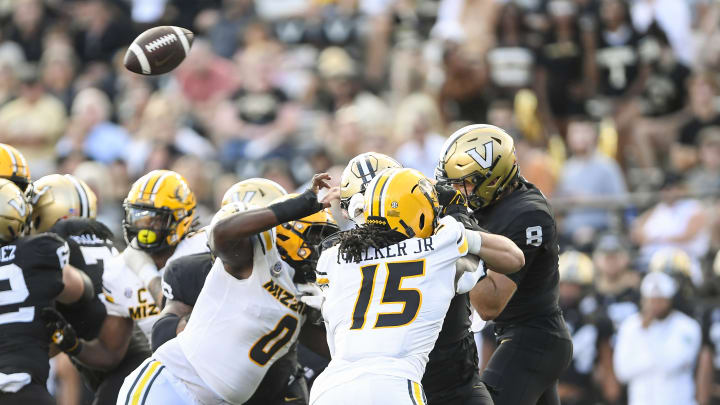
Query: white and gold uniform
383,316
237,330
125,295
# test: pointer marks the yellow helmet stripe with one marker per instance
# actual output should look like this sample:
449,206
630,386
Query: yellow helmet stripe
159,183
82,194
12,157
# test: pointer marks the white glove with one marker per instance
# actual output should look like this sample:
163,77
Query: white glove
468,279
140,263
311,295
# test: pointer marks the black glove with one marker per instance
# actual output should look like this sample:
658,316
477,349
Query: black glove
454,203
61,332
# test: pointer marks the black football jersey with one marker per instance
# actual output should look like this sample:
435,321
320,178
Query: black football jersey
453,361
589,326
90,245
525,217
711,337
183,280
30,280
618,60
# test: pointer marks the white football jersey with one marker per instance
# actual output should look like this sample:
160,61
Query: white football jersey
125,295
238,328
384,314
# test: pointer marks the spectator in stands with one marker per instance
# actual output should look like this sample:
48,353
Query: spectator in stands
587,176
676,221
657,349
616,284
511,60
27,27
33,123
590,377
702,88
705,178
419,124
673,17
90,130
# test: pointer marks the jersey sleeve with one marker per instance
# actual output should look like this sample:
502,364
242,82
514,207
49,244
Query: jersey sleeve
50,252
182,280
532,232
450,238
113,296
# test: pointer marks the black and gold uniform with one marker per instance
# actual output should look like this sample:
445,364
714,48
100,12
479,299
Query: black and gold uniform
534,346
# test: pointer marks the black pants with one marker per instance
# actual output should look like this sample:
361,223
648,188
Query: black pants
474,393
33,393
526,365
107,391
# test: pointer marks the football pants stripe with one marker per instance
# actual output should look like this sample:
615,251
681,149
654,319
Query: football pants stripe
152,380
140,374
154,368
418,393
410,391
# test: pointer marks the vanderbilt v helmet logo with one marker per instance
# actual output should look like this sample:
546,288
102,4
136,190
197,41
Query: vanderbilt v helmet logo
486,161
19,207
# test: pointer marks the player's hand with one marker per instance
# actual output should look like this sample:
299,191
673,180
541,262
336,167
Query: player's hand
311,295
320,181
61,332
451,200
332,196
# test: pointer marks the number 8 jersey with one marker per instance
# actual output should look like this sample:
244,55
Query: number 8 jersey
384,314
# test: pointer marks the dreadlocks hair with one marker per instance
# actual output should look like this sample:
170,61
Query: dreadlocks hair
354,243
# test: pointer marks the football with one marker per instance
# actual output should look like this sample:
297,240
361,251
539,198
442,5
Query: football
158,50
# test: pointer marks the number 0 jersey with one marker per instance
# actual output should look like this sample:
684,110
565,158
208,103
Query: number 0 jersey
383,314
126,296
30,279
238,328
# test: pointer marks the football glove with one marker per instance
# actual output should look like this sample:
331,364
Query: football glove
454,204
61,332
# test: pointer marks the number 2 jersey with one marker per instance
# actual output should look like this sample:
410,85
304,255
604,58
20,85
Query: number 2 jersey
383,314
30,280
238,328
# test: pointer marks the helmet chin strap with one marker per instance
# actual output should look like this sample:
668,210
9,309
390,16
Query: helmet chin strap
408,230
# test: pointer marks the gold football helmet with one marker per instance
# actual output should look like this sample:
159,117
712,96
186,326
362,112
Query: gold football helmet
403,200
14,167
671,261
159,210
56,196
14,212
576,267
298,241
360,171
254,191
483,156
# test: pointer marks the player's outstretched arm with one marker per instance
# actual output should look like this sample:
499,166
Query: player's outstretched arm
230,232
498,252
78,286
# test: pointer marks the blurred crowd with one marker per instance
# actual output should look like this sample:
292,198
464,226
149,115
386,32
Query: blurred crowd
614,106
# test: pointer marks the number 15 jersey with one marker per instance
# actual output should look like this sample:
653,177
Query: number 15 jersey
383,314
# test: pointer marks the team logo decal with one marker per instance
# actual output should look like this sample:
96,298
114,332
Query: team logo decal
486,161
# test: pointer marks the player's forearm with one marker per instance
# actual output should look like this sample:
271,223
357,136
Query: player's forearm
95,354
78,286
315,339
498,252
248,223
490,296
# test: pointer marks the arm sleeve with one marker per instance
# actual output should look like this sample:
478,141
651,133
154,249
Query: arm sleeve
532,232
632,356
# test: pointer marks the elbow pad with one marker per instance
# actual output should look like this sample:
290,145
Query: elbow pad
163,330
